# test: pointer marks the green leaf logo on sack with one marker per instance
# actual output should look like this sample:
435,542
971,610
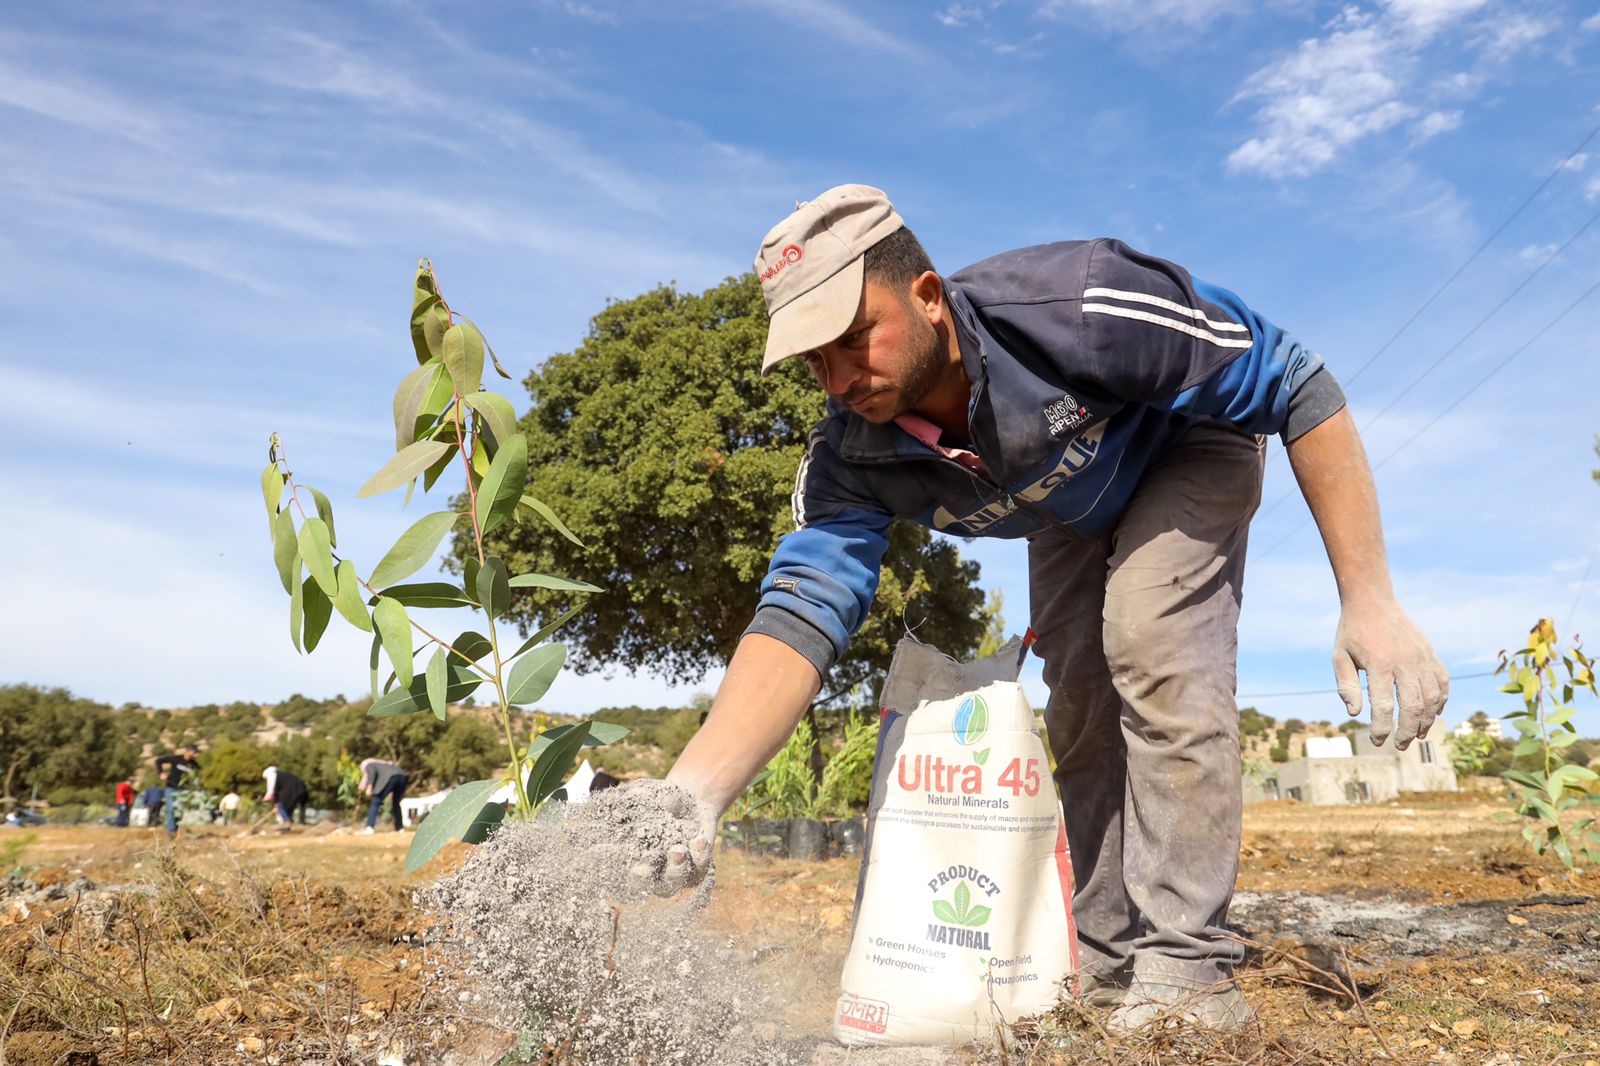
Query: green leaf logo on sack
971,721
961,911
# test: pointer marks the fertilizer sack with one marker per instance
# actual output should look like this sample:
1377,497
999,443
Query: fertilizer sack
964,906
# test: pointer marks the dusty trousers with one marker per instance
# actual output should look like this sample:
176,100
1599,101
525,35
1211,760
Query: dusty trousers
1138,630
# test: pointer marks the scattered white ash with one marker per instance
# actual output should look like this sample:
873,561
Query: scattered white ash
552,928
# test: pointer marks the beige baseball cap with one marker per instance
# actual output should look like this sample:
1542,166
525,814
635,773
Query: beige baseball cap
810,266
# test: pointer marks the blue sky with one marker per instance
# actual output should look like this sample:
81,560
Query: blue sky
209,215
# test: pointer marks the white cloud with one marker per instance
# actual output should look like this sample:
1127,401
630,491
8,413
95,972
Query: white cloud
1591,24
1576,162
1427,16
959,14
1121,15
1435,123
1365,75
81,105
844,25
1503,37
1331,92
1591,191
1537,253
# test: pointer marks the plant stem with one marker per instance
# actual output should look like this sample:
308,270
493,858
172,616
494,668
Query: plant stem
472,490
524,808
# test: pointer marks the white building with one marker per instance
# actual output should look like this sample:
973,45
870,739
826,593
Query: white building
1333,773
1493,728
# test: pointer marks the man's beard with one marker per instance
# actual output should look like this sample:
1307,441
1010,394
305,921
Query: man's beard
924,365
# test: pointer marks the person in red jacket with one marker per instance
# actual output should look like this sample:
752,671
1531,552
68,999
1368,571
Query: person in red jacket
124,802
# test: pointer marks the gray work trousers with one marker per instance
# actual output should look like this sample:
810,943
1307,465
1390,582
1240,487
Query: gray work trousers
1138,630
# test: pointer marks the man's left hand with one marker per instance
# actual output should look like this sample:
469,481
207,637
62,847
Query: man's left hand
1379,638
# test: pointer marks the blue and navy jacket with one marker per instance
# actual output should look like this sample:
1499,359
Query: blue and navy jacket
1088,360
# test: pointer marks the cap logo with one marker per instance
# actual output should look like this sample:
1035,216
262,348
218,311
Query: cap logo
791,254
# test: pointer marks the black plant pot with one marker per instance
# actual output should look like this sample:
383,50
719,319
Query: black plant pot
808,839
845,837
769,836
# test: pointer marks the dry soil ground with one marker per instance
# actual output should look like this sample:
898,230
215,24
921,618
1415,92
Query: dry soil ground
233,947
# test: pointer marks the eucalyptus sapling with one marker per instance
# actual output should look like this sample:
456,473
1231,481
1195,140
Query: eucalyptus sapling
444,419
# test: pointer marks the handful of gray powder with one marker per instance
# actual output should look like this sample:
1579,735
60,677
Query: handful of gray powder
555,934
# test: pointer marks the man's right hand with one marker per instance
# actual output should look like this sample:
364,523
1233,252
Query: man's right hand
678,866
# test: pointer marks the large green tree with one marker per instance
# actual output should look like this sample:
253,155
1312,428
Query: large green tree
673,459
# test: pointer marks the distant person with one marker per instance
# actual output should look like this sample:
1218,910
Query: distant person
124,802
150,799
380,779
180,770
289,792
230,807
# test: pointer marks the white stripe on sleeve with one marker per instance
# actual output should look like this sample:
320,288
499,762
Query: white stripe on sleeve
1156,301
1162,320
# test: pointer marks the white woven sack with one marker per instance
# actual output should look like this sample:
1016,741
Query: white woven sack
963,912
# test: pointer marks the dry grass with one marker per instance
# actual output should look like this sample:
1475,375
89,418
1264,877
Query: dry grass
232,966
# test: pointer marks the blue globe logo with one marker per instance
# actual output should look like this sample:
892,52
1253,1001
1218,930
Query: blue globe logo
971,722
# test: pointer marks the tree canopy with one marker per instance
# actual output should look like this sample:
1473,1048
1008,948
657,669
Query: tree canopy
663,448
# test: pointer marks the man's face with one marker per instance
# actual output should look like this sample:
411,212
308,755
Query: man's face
886,362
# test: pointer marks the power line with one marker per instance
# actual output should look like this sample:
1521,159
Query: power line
1335,692
1263,512
1459,270
1452,406
1348,381
1481,322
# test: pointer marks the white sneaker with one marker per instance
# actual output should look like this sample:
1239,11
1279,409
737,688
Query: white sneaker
365,831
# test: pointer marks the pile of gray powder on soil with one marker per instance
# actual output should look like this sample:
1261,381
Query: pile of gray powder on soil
552,928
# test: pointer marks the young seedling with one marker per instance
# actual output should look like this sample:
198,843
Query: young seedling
1545,795
443,418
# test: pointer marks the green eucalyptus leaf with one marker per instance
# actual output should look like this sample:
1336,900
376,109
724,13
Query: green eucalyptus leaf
286,550
414,548
546,581
318,609
408,401
348,597
496,412
545,631
472,646
428,594
436,681
460,682
532,675
463,356
297,611
272,480
552,767
325,512
315,550
464,814
440,395
600,733
494,358
502,485
405,465
494,587
469,576
394,625
372,664
433,473
548,515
